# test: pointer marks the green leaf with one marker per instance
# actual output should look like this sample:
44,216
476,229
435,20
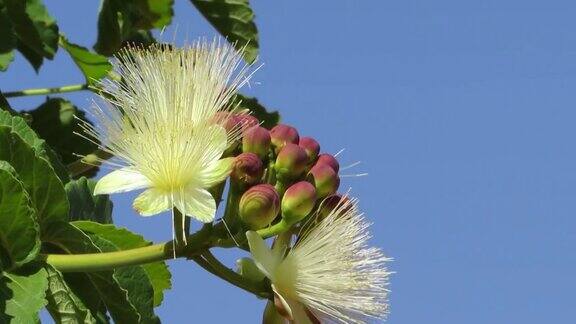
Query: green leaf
7,39
5,105
70,239
58,122
22,296
33,57
63,304
136,283
119,21
81,286
19,232
109,34
93,66
268,119
84,205
234,19
36,30
123,239
45,189
20,127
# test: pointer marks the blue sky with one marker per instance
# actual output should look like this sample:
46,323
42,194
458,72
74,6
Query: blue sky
462,113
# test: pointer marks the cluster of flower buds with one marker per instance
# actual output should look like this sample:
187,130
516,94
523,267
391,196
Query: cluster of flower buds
280,175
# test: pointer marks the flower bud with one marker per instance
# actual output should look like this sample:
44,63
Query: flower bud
328,205
282,134
290,162
311,147
248,269
324,179
230,122
332,202
329,160
246,121
298,201
226,119
248,168
256,139
259,206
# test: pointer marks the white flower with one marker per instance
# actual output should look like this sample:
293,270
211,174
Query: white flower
330,272
163,121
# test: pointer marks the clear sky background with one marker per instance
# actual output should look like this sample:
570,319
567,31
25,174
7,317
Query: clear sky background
462,112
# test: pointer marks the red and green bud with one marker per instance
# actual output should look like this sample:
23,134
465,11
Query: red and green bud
331,203
298,201
329,160
246,121
311,147
259,206
324,179
229,121
233,121
226,119
290,162
247,169
328,204
283,134
256,140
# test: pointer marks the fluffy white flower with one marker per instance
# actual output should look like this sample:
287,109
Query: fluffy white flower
163,121
330,273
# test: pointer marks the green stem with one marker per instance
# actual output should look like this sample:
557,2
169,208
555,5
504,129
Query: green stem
273,230
111,260
195,244
46,91
179,223
210,263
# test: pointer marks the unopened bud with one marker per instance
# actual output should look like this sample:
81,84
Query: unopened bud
290,162
298,201
248,168
328,204
324,179
329,160
335,204
248,269
256,139
259,206
246,120
229,121
233,121
283,134
311,147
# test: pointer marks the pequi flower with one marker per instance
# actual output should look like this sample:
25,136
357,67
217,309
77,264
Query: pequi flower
164,122
330,274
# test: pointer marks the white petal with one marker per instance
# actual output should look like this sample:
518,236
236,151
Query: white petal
213,141
196,203
122,180
219,141
280,246
216,172
151,202
262,255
